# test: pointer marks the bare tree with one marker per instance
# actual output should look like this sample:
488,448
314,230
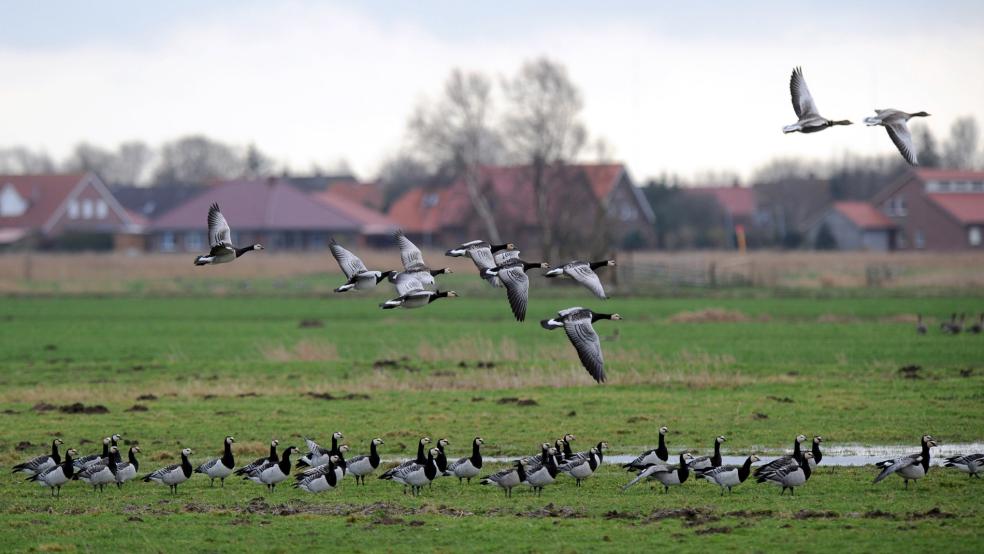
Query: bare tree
544,129
257,163
455,132
133,159
960,150
19,160
197,159
925,143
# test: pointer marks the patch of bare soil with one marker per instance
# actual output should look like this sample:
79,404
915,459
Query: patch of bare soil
564,512
517,401
815,514
934,513
710,315
329,396
137,408
80,408
690,516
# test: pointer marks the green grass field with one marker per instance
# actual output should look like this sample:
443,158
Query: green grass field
753,366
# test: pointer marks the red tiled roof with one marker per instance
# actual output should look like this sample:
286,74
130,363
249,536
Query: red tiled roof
44,193
367,194
926,174
427,210
736,201
603,177
258,205
372,221
864,215
967,208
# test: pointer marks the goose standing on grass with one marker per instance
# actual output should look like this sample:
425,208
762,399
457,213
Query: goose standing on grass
413,261
416,297
791,475
56,476
220,241
127,470
172,475
545,474
598,450
360,466
319,479
782,461
95,458
810,120
466,468
513,275
318,455
259,462
728,477
219,468
442,458
669,476
582,468
910,468
421,459
507,478
481,254
565,446
578,324
976,328
583,273
920,326
707,462
971,464
357,276
534,463
41,463
417,475
817,454
100,473
649,457
894,122
271,474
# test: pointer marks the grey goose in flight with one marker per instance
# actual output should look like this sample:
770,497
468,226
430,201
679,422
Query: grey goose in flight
220,241
578,324
894,122
810,120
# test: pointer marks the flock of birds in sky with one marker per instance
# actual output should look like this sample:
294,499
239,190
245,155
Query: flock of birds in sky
323,469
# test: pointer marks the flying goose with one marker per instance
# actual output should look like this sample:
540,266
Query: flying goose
416,297
318,455
481,253
101,473
583,273
127,470
894,122
669,476
219,468
971,464
360,466
41,463
782,461
413,261
466,468
649,457
95,458
513,275
707,462
911,467
507,478
172,475
728,477
920,326
270,474
56,476
545,474
220,241
790,476
810,120
357,275
582,468
259,462
417,475
577,323
320,479
405,283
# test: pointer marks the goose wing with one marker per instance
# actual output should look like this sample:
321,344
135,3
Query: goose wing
898,131
409,253
889,467
481,254
219,233
406,283
503,256
582,273
517,289
585,340
803,103
350,263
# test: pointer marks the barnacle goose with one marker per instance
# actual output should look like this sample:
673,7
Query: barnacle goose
56,476
421,459
272,458
417,475
442,457
564,446
577,323
817,454
669,476
513,275
94,458
971,464
791,475
127,470
357,276
976,328
220,241
728,477
810,120
360,466
318,455
545,474
319,479
101,473
783,461
895,123
582,468
416,297
507,478
219,468
707,462
536,462
910,468
173,475
656,455
466,468
598,450
404,283
583,273
270,474
41,463
481,253
413,261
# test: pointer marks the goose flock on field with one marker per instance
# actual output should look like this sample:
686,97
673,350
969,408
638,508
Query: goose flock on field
953,326
323,469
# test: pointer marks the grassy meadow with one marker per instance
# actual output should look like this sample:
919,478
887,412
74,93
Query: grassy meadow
756,366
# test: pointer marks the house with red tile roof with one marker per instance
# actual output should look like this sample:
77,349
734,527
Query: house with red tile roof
852,226
936,209
69,211
585,203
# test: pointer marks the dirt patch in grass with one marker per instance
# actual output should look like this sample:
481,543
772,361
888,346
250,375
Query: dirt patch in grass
329,396
815,514
80,408
710,315
565,512
690,516
303,351
934,513
517,401
713,530
137,408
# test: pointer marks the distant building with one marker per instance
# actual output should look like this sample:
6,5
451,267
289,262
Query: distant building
154,201
74,211
852,226
737,203
936,209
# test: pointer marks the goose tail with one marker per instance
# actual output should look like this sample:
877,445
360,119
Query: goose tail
555,272
869,121
550,324
203,260
791,128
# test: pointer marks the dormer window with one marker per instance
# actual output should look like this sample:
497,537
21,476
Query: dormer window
12,204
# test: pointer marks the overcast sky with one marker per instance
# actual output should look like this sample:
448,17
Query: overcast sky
684,87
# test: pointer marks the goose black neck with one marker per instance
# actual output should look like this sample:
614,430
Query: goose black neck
227,459
797,453
117,457
442,458
385,275
806,470
430,467
596,265
334,445
816,452
601,452
551,466
596,317
112,463
925,456
716,458
684,470
745,470
68,467
497,247
185,465
245,249
567,449
284,462
273,453
373,454
132,458
54,452
528,265
521,471
436,272
661,452
438,294
476,457
330,474
105,453
421,457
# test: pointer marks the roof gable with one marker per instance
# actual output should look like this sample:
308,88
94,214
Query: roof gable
863,215
44,195
966,208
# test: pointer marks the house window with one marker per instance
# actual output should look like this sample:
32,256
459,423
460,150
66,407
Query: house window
11,203
974,236
896,207
430,200
193,241
87,209
167,241
73,209
919,240
101,209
